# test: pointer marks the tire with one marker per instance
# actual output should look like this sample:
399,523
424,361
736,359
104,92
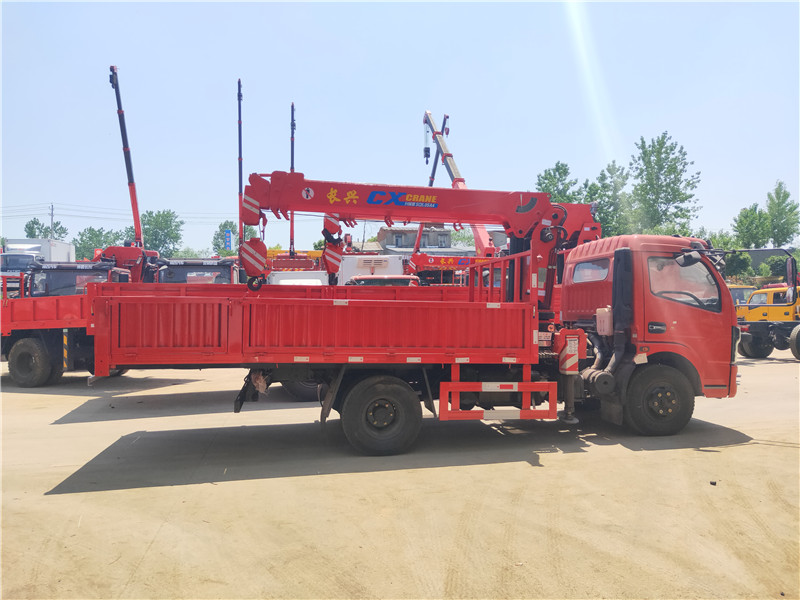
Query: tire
301,391
660,401
794,342
779,341
742,350
56,373
29,363
758,348
117,372
381,415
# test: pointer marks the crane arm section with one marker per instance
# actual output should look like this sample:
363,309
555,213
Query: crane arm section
521,214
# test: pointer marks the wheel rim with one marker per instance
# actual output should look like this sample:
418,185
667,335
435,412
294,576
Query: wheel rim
663,402
25,364
381,413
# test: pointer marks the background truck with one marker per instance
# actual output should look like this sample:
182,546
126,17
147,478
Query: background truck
770,320
41,250
44,329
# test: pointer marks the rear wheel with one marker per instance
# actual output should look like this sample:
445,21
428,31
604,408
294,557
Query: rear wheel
302,391
756,348
29,363
660,401
794,342
381,415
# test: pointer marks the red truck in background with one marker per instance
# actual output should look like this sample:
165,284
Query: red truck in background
44,325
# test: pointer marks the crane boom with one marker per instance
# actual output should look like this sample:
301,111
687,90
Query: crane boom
483,245
521,214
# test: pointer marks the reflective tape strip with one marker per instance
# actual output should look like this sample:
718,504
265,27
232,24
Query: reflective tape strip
340,302
253,257
302,359
489,415
355,359
413,359
509,359
499,387
535,337
66,350
492,305
331,223
464,359
249,204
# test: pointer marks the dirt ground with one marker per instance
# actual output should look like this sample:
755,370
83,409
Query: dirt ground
149,486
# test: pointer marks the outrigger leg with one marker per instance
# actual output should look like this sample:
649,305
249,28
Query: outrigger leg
254,381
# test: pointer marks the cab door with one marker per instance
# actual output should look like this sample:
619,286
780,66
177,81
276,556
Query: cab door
688,312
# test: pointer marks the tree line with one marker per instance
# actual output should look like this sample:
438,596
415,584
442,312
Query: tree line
653,194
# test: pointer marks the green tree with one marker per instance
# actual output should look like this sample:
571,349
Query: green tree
90,238
187,252
663,189
218,240
776,265
162,231
613,203
320,244
752,227
463,237
739,264
557,183
35,229
723,240
783,214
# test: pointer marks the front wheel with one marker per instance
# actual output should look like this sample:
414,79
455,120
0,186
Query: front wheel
660,401
381,415
29,363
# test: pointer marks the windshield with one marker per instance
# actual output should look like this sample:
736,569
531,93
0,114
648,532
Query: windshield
740,295
194,274
692,284
64,283
17,261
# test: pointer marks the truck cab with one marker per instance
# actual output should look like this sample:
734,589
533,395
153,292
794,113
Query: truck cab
770,304
661,324
198,270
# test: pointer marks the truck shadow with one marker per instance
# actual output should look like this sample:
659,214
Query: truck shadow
74,384
119,404
216,455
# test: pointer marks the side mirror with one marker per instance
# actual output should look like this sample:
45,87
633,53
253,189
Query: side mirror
688,259
791,271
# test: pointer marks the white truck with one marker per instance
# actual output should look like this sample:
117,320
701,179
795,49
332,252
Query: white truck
38,250
369,264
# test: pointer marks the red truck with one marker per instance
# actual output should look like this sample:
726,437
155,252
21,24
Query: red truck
44,325
637,314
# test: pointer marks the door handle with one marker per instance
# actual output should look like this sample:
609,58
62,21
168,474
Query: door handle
655,327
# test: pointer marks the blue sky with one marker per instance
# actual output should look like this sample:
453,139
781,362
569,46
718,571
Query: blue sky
525,85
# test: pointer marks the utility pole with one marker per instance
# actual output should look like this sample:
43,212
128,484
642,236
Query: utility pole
52,212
